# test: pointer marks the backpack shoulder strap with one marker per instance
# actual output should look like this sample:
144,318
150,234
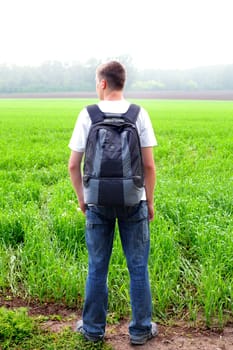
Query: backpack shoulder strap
132,113
95,113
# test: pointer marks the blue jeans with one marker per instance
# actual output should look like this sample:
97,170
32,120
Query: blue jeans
135,238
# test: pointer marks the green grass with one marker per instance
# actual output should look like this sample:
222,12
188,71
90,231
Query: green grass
42,245
18,331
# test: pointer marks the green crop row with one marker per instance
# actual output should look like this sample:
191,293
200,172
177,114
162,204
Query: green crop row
42,244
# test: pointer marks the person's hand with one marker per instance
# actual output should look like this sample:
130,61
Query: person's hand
82,207
151,212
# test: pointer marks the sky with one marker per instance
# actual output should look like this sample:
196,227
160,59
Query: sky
161,34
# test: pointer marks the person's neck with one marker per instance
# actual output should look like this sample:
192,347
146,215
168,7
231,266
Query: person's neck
113,96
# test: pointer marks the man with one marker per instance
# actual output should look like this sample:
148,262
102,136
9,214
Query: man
133,221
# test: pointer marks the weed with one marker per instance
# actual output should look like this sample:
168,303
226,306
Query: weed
19,331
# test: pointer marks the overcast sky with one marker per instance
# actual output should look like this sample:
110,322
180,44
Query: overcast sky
155,33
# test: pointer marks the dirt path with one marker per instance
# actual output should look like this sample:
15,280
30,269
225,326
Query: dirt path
176,337
169,338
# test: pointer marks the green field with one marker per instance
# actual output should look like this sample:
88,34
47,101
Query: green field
42,246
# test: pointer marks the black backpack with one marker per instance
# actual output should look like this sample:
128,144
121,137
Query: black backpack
113,169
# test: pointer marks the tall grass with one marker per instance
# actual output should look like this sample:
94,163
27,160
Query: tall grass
42,243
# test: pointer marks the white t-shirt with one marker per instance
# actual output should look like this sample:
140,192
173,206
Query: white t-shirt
82,126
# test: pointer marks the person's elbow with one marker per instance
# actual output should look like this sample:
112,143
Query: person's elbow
148,159
72,166
149,167
74,162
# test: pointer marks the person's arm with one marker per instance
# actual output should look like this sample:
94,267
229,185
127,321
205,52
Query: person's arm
76,176
150,178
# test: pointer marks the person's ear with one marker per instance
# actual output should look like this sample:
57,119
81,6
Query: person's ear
103,84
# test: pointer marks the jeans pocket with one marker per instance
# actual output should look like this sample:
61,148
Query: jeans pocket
139,212
93,216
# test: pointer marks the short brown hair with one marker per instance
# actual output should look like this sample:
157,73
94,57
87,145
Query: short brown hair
114,73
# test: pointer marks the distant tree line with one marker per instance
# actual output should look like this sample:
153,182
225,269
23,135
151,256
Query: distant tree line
54,76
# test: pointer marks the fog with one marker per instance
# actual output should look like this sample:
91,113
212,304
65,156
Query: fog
160,34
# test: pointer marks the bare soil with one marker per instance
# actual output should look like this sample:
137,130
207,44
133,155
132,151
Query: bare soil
167,94
179,336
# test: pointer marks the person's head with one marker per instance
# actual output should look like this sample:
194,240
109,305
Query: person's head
110,76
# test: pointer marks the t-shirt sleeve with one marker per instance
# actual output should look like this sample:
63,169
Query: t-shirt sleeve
79,136
146,131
